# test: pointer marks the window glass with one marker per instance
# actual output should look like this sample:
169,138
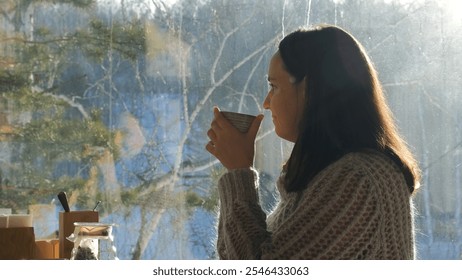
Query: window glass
110,101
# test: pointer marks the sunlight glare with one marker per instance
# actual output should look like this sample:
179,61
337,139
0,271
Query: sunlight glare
453,7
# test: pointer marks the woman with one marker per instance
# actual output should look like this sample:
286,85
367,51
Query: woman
345,191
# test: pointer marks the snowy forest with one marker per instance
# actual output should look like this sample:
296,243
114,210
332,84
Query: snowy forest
110,101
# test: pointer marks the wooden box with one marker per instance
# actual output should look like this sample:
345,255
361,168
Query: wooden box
47,249
17,243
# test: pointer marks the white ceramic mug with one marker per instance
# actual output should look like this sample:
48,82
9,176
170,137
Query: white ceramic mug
241,121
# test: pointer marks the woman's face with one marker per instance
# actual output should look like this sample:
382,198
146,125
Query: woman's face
285,100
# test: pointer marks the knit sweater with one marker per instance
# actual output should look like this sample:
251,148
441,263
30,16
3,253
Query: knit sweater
358,207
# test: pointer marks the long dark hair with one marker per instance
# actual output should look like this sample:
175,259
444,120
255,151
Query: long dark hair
345,107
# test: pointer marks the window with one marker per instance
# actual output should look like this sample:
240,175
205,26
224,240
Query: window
110,101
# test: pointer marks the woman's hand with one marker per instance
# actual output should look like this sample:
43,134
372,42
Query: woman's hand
231,147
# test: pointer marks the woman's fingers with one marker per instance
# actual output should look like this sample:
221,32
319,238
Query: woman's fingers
210,147
220,121
231,147
253,130
212,135
215,126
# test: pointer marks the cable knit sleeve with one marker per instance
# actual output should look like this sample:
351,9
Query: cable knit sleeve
337,217
242,223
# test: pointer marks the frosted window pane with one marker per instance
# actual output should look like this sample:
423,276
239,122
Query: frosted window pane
111,100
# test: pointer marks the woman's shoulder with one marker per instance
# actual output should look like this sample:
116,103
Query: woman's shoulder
369,159
368,163
372,172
